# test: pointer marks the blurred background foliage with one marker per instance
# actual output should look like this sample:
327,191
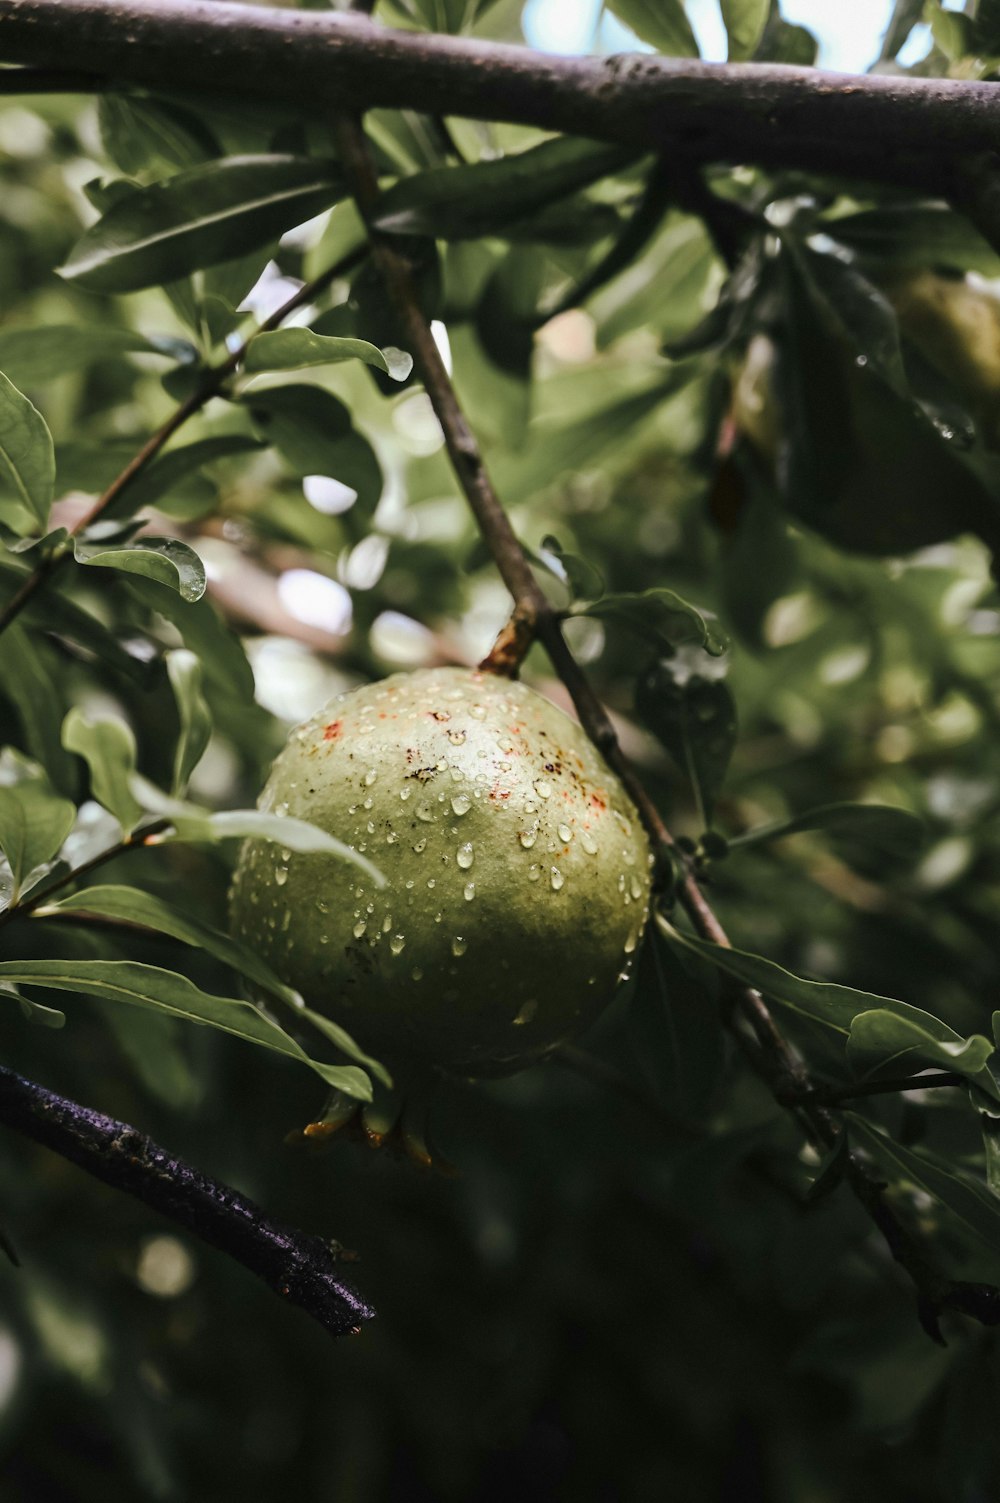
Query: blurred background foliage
788,412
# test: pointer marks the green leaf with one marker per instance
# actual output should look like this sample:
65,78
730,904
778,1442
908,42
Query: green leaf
148,986
294,834
35,1012
127,905
33,355
200,217
745,21
694,719
675,1029
970,1202
166,560
152,484
882,825
916,236
108,748
463,203
834,1007
290,349
583,579
881,1041
862,314
27,457
142,135
661,617
661,23
37,699
184,671
34,822
313,433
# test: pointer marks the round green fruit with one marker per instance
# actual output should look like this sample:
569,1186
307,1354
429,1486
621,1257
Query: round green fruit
517,872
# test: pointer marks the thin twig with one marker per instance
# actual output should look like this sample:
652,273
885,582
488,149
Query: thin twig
213,382
299,1266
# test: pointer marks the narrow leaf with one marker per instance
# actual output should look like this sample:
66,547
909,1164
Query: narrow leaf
128,905
34,822
882,825
290,349
694,718
883,1042
166,560
455,203
32,355
108,748
27,456
659,616
198,218
661,23
745,21
294,834
148,986
184,671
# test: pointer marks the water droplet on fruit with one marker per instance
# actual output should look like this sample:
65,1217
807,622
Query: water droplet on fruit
465,856
425,813
528,837
631,943
461,803
286,920
367,803
387,923
281,875
420,846
396,943
469,892
534,872
404,793
431,882
565,833
526,1013
478,712
417,973
359,928
459,945
635,887
456,737
286,855
543,789
589,843
409,883
323,907
391,838
370,776
557,878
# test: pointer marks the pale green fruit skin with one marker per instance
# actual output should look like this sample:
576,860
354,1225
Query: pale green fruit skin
518,874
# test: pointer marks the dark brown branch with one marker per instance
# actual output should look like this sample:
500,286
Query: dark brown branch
211,385
300,1267
772,115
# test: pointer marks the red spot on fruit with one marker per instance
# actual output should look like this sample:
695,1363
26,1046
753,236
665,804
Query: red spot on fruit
332,731
598,803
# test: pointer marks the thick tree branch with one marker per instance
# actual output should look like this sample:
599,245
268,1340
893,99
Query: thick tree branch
300,1267
772,115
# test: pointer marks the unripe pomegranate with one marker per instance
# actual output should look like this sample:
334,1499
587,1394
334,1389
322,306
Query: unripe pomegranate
517,873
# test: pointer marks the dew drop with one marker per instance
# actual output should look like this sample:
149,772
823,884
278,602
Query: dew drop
534,872
589,843
391,838
478,712
404,793
281,875
409,883
459,945
543,789
431,882
323,906
461,803
565,834
359,928
465,856
396,943
387,923
528,837
425,813
286,920
367,803
631,943
469,891
526,1013
420,846
417,973
456,737
370,827
635,888
286,855
557,878
370,776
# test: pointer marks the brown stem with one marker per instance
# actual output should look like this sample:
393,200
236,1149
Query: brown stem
210,387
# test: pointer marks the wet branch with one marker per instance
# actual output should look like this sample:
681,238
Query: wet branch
301,1268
